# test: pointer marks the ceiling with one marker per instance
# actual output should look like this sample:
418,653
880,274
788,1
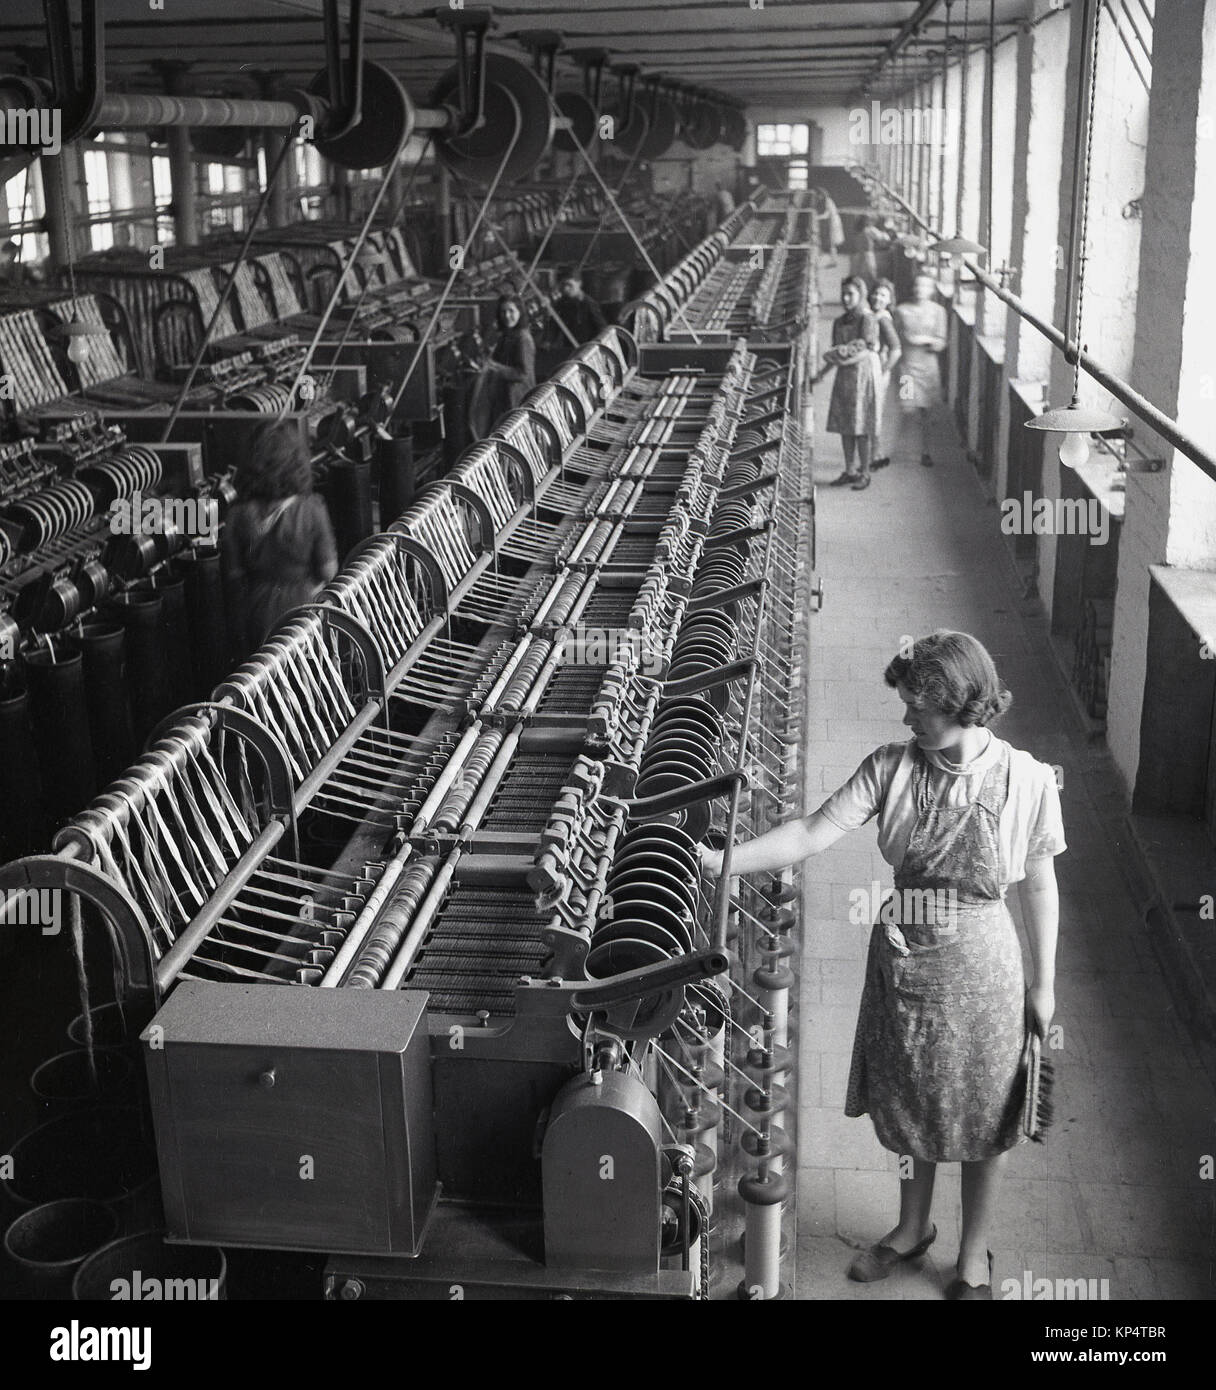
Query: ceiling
780,53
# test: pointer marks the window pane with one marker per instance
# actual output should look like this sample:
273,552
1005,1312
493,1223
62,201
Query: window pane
799,142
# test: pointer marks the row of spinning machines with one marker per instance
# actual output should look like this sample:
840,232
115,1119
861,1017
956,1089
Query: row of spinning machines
104,629
754,278
415,893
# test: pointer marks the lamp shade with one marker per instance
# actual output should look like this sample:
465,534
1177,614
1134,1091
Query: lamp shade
958,246
1076,419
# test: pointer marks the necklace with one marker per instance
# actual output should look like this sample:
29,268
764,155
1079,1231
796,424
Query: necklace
967,763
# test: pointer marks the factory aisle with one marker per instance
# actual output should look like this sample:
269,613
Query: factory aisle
1115,1194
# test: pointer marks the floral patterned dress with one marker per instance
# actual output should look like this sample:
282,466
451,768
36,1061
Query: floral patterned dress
854,406
940,1033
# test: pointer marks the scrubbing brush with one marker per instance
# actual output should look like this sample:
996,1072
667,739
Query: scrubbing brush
1037,1107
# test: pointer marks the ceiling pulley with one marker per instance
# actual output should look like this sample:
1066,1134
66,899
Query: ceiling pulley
580,109
630,120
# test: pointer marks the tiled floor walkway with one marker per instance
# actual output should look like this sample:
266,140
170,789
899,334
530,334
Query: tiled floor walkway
1117,1191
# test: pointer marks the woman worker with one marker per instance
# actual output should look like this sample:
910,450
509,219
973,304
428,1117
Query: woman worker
918,386
511,368
854,409
944,1009
277,546
890,350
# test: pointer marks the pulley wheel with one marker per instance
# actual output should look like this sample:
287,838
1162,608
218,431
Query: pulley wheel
219,142
734,127
515,99
580,111
385,123
664,123
628,140
703,126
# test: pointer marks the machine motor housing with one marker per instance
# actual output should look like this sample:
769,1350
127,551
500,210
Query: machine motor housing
294,1118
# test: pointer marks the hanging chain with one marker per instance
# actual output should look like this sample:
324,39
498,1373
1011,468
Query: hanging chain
962,121
1095,39
941,163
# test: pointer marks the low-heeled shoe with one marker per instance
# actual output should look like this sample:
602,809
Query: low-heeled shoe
959,1291
879,1260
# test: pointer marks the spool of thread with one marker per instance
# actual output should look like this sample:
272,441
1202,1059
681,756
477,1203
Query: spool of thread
102,647
59,716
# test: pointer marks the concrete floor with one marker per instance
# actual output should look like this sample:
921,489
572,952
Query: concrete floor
1116,1191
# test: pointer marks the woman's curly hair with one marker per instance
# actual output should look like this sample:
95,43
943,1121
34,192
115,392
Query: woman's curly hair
953,673
277,464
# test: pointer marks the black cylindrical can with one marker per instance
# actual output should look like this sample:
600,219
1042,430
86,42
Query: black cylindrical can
395,466
208,623
60,717
103,649
23,822
141,613
350,503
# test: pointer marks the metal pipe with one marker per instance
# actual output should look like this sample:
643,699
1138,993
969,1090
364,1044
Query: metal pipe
139,111
1128,395
56,170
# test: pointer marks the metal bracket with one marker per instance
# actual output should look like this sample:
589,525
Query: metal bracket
592,61
345,78
544,45
470,27
626,76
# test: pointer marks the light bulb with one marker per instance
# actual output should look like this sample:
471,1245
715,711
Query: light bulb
78,348
1074,450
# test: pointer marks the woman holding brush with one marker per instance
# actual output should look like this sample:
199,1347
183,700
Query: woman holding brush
941,1049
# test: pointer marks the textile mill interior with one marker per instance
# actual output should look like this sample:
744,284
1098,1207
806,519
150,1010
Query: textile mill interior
440,649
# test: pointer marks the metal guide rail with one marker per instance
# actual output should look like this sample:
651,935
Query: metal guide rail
366,805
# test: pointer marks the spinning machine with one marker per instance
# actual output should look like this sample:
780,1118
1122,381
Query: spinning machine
416,889
408,916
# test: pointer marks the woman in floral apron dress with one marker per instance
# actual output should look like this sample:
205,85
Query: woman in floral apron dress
945,1007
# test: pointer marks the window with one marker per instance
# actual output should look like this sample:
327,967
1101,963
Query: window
97,182
24,203
777,140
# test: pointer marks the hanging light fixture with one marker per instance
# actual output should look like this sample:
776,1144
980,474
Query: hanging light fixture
76,330
1075,421
78,333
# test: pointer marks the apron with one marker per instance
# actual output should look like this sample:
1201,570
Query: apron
937,1053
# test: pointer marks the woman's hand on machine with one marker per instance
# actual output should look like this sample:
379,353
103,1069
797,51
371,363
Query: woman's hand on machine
711,860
